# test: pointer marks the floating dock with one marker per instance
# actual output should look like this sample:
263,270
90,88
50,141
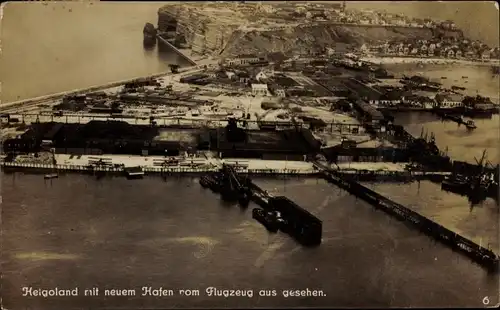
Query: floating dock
479,254
304,227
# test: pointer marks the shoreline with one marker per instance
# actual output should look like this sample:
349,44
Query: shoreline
395,60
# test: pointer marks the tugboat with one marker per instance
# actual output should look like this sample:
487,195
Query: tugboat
268,219
455,118
470,125
205,181
212,182
133,173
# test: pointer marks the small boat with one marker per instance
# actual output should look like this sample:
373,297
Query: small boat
470,124
211,182
244,199
134,172
51,176
267,219
455,118
205,181
456,184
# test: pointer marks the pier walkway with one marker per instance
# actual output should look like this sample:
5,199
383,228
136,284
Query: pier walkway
158,170
479,254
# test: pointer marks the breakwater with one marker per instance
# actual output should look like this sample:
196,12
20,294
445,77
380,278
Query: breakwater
479,254
176,50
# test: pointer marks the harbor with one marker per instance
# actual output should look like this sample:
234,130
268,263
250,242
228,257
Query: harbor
229,166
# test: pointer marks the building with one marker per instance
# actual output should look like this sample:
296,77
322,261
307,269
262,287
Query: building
243,76
260,90
362,91
280,92
485,55
449,100
242,60
262,76
369,112
470,54
392,98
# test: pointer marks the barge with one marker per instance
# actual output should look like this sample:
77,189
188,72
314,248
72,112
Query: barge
298,222
51,176
134,172
470,124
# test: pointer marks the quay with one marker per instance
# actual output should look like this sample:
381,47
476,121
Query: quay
479,254
165,170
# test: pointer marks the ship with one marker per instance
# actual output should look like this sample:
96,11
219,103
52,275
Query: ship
51,176
477,183
456,183
455,118
212,182
297,222
470,124
133,173
231,187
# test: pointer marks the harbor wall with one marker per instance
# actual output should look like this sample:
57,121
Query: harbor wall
39,167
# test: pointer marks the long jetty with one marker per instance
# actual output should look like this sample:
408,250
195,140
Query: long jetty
479,254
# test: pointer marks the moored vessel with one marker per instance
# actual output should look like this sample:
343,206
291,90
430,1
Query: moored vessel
267,219
51,176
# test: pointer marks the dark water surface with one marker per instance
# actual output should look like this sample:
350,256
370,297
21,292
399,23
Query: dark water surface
112,233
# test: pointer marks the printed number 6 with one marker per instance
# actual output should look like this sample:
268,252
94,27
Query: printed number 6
486,301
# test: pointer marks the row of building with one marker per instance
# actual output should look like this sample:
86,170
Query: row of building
444,49
369,17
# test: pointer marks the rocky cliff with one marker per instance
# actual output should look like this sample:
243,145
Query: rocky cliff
208,34
202,32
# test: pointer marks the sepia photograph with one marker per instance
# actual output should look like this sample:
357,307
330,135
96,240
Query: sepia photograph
249,154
